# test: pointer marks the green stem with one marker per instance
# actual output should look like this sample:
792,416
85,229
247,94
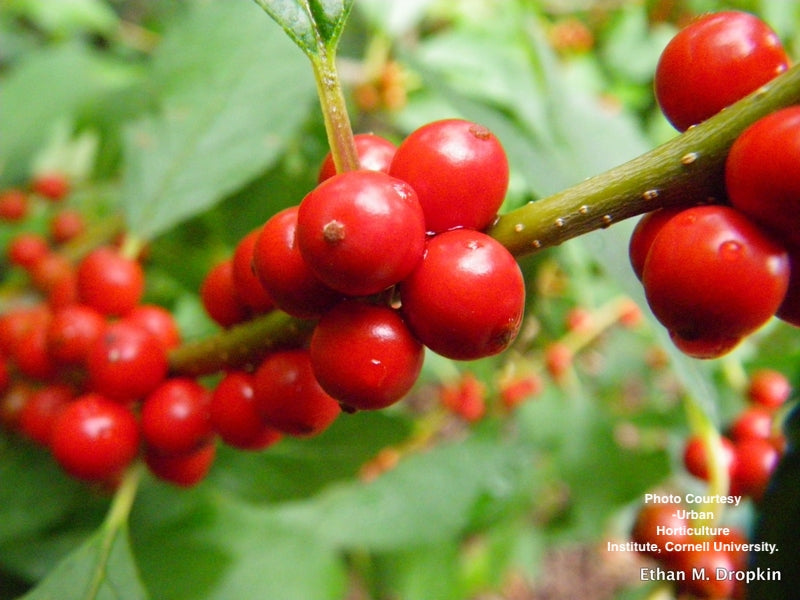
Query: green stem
334,110
241,345
686,170
116,519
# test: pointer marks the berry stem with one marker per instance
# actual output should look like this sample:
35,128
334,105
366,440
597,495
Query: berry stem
115,520
688,168
241,345
334,110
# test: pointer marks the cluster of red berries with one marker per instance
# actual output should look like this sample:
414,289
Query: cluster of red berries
752,444
665,533
714,274
84,367
390,259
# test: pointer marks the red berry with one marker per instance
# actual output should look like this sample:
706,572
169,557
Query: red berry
235,416
696,460
516,390
648,521
288,396
558,359
158,321
382,360
247,285
110,282
94,438
126,362
756,459
374,154
73,329
40,411
361,232
13,205
465,398
761,173
30,353
465,300
220,298
26,249
769,388
53,185
175,417
753,422
643,235
66,225
713,62
284,273
183,470
711,277
55,276
459,171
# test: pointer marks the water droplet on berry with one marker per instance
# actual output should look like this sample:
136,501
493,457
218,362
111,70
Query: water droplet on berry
730,250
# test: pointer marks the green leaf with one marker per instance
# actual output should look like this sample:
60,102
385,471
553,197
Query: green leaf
234,95
428,498
311,24
204,545
29,477
101,569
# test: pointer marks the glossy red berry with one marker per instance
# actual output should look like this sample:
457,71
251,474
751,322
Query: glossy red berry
711,277
54,275
713,62
41,410
361,232
126,362
247,285
753,422
95,438
769,388
72,330
283,272
459,170
175,417
466,299
158,321
696,458
762,173
13,205
110,282
220,298
382,361
52,185
235,416
374,154
289,397
182,470
756,459
30,352
643,235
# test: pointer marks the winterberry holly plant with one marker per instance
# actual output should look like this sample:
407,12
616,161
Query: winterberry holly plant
324,298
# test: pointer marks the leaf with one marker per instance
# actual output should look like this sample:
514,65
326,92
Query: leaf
102,568
29,477
311,24
46,89
428,498
210,546
234,95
